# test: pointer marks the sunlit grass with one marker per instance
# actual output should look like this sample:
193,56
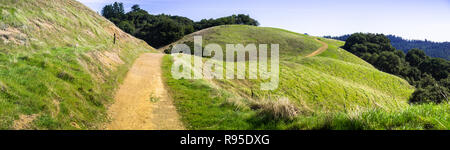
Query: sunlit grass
334,90
50,75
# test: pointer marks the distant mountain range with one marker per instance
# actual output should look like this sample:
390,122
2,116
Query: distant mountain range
433,49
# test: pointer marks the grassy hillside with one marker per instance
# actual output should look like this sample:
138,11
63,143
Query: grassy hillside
59,66
324,91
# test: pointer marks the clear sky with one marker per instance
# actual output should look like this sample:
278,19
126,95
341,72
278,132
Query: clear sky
411,19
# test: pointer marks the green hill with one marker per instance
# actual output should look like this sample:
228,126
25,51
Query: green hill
331,90
59,66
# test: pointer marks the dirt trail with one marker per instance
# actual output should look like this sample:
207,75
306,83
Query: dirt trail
142,102
320,50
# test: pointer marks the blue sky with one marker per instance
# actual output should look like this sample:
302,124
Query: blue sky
411,19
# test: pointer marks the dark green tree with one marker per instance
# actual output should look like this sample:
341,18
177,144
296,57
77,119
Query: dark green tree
135,8
436,67
127,27
115,12
445,82
389,62
163,32
431,94
415,56
429,75
425,81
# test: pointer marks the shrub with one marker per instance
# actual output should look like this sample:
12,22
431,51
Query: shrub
281,109
65,76
431,94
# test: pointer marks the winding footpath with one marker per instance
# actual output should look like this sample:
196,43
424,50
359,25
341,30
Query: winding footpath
142,101
321,49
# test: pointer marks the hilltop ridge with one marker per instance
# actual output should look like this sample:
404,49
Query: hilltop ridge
332,81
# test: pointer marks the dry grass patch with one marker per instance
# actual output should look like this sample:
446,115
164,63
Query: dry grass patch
13,35
281,109
24,122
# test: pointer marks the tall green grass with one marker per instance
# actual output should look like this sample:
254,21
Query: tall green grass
333,90
202,106
332,81
415,117
51,75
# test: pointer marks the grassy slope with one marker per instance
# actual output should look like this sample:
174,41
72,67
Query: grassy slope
59,67
328,88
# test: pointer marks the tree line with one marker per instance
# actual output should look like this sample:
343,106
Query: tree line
433,49
429,75
160,30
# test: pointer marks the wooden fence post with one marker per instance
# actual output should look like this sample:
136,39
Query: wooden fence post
114,38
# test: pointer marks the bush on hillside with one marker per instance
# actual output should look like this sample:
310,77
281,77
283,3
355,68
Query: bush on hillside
431,94
281,109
